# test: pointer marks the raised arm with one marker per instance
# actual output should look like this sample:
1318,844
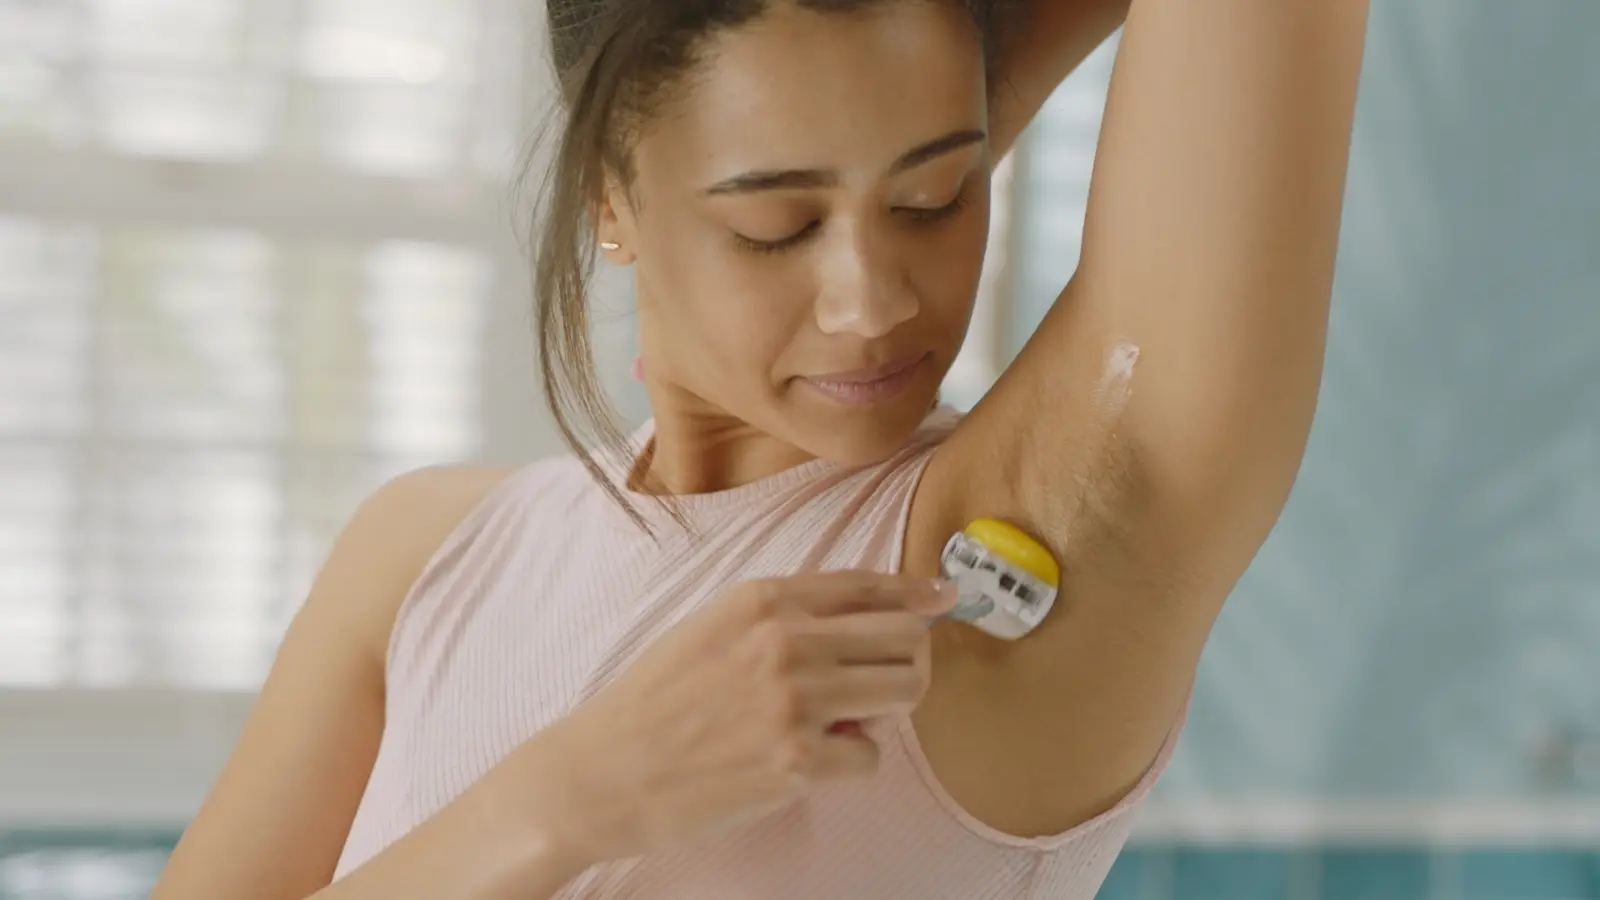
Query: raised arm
1048,41
1152,428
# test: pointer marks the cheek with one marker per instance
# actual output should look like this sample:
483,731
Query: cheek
722,318
757,315
947,269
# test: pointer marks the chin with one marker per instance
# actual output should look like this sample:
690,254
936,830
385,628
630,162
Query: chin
868,434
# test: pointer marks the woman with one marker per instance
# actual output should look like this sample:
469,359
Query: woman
704,668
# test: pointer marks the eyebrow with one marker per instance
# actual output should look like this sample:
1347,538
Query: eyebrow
799,179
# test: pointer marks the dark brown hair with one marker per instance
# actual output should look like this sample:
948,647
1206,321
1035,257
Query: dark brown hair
614,60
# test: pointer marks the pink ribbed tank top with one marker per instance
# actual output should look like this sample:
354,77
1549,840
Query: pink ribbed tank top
547,590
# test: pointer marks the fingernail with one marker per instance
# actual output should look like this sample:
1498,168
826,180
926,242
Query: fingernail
972,611
946,592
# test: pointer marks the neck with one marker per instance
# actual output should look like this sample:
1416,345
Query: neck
704,451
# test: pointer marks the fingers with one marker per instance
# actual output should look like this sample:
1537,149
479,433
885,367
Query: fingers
850,591
860,692
860,638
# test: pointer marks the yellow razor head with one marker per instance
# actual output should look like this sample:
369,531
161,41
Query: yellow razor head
1016,547
1006,581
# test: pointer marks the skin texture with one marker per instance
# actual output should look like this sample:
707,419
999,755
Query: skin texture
1209,245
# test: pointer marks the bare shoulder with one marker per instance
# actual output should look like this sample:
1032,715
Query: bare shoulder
276,820
425,505
410,516
394,533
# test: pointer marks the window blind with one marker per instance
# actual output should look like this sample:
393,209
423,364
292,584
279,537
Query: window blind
199,377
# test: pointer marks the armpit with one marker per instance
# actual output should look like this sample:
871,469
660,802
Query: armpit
1080,499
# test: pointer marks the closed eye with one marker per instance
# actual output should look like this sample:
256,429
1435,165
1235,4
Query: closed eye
777,246
923,214
915,213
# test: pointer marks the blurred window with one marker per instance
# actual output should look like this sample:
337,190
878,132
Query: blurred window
246,248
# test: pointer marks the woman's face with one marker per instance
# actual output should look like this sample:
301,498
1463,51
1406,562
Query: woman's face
807,221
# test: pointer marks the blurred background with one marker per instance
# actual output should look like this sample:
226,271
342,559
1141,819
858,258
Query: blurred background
257,256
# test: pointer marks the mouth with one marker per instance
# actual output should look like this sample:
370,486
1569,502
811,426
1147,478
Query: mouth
868,386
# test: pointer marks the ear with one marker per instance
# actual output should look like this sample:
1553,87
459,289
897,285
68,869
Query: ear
614,224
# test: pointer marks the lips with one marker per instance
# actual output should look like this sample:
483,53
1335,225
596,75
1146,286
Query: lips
865,387
876,373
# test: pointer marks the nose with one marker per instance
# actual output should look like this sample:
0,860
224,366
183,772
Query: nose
864,289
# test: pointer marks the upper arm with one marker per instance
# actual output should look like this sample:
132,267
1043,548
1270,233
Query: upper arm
1053,38
1209,246
275,822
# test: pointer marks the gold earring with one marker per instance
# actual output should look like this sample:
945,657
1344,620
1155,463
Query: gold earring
610,245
